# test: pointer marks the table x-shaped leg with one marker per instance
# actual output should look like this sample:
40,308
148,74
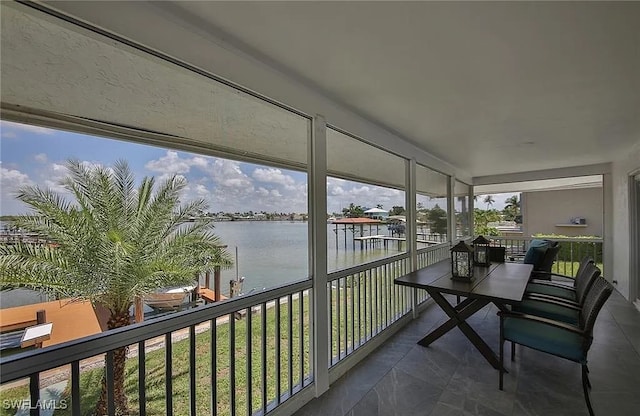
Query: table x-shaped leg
457,317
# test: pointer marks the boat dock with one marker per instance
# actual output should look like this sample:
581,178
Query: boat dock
72,319
371,241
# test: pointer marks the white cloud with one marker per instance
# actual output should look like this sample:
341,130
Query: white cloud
169,164
334,186
340,193
9,129
53,175
200,162
227,173
201,190
273,175
13,178
10,181
41,157
172,164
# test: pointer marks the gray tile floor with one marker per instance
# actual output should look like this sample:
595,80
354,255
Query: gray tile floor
451,377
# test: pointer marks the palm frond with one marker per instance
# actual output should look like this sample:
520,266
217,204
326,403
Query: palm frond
115,241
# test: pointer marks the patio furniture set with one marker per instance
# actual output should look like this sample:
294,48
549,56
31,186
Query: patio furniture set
538,309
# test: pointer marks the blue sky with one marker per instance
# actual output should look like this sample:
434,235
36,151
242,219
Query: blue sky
31,155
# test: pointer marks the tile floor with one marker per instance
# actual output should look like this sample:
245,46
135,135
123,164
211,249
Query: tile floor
451,377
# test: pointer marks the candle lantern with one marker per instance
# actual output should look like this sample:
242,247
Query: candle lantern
481,251
462,262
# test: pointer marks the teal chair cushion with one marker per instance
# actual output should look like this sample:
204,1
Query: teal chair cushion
545,338
560,292
535,253
548,310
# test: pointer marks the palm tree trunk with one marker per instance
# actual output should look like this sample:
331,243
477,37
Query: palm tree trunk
116,320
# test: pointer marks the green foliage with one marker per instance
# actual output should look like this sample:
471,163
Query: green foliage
485,231
353,211
511,208
481,219
489,200
437,220
396,210
115,242
575,250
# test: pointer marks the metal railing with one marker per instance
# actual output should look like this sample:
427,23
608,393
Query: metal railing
364,301
572,250
430,255
427,257
244,356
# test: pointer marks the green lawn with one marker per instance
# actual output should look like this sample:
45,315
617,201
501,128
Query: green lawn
568,268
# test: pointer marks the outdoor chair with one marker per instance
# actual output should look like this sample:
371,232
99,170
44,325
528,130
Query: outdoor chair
497,254
567,288
571,342
543,262
565,310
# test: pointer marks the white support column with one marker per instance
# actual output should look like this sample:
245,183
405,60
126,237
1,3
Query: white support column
411,227
318,252
607,232
451,214
471,216
410,200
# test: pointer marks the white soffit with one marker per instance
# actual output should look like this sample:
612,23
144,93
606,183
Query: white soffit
593,181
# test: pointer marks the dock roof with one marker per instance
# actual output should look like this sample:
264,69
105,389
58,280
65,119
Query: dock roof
357,221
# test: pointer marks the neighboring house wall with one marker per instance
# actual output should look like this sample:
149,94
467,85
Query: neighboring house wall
549,212
622,168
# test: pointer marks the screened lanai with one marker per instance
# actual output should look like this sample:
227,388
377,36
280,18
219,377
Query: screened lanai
426,101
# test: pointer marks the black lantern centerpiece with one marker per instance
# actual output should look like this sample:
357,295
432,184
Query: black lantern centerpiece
462,262
481,251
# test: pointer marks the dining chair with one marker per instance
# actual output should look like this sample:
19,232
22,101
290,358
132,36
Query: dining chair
557,338
542,267
558,308
566,288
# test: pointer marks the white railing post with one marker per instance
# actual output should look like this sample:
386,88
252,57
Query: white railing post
411,229
451,210
472,225
607,234
318,252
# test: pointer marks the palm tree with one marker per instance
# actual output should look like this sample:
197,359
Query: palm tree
512,207
489,200
512,202
111,246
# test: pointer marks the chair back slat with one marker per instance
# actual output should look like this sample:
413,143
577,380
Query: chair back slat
549,258
584,280
583,263
596,297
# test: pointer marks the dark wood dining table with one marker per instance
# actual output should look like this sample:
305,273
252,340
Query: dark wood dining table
500,283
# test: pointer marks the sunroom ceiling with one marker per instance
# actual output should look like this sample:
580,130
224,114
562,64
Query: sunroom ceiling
489,87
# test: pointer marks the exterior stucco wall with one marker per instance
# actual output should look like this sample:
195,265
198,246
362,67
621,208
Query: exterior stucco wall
543,211
621,171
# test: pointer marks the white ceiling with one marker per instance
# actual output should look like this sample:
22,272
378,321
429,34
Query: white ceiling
492,88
